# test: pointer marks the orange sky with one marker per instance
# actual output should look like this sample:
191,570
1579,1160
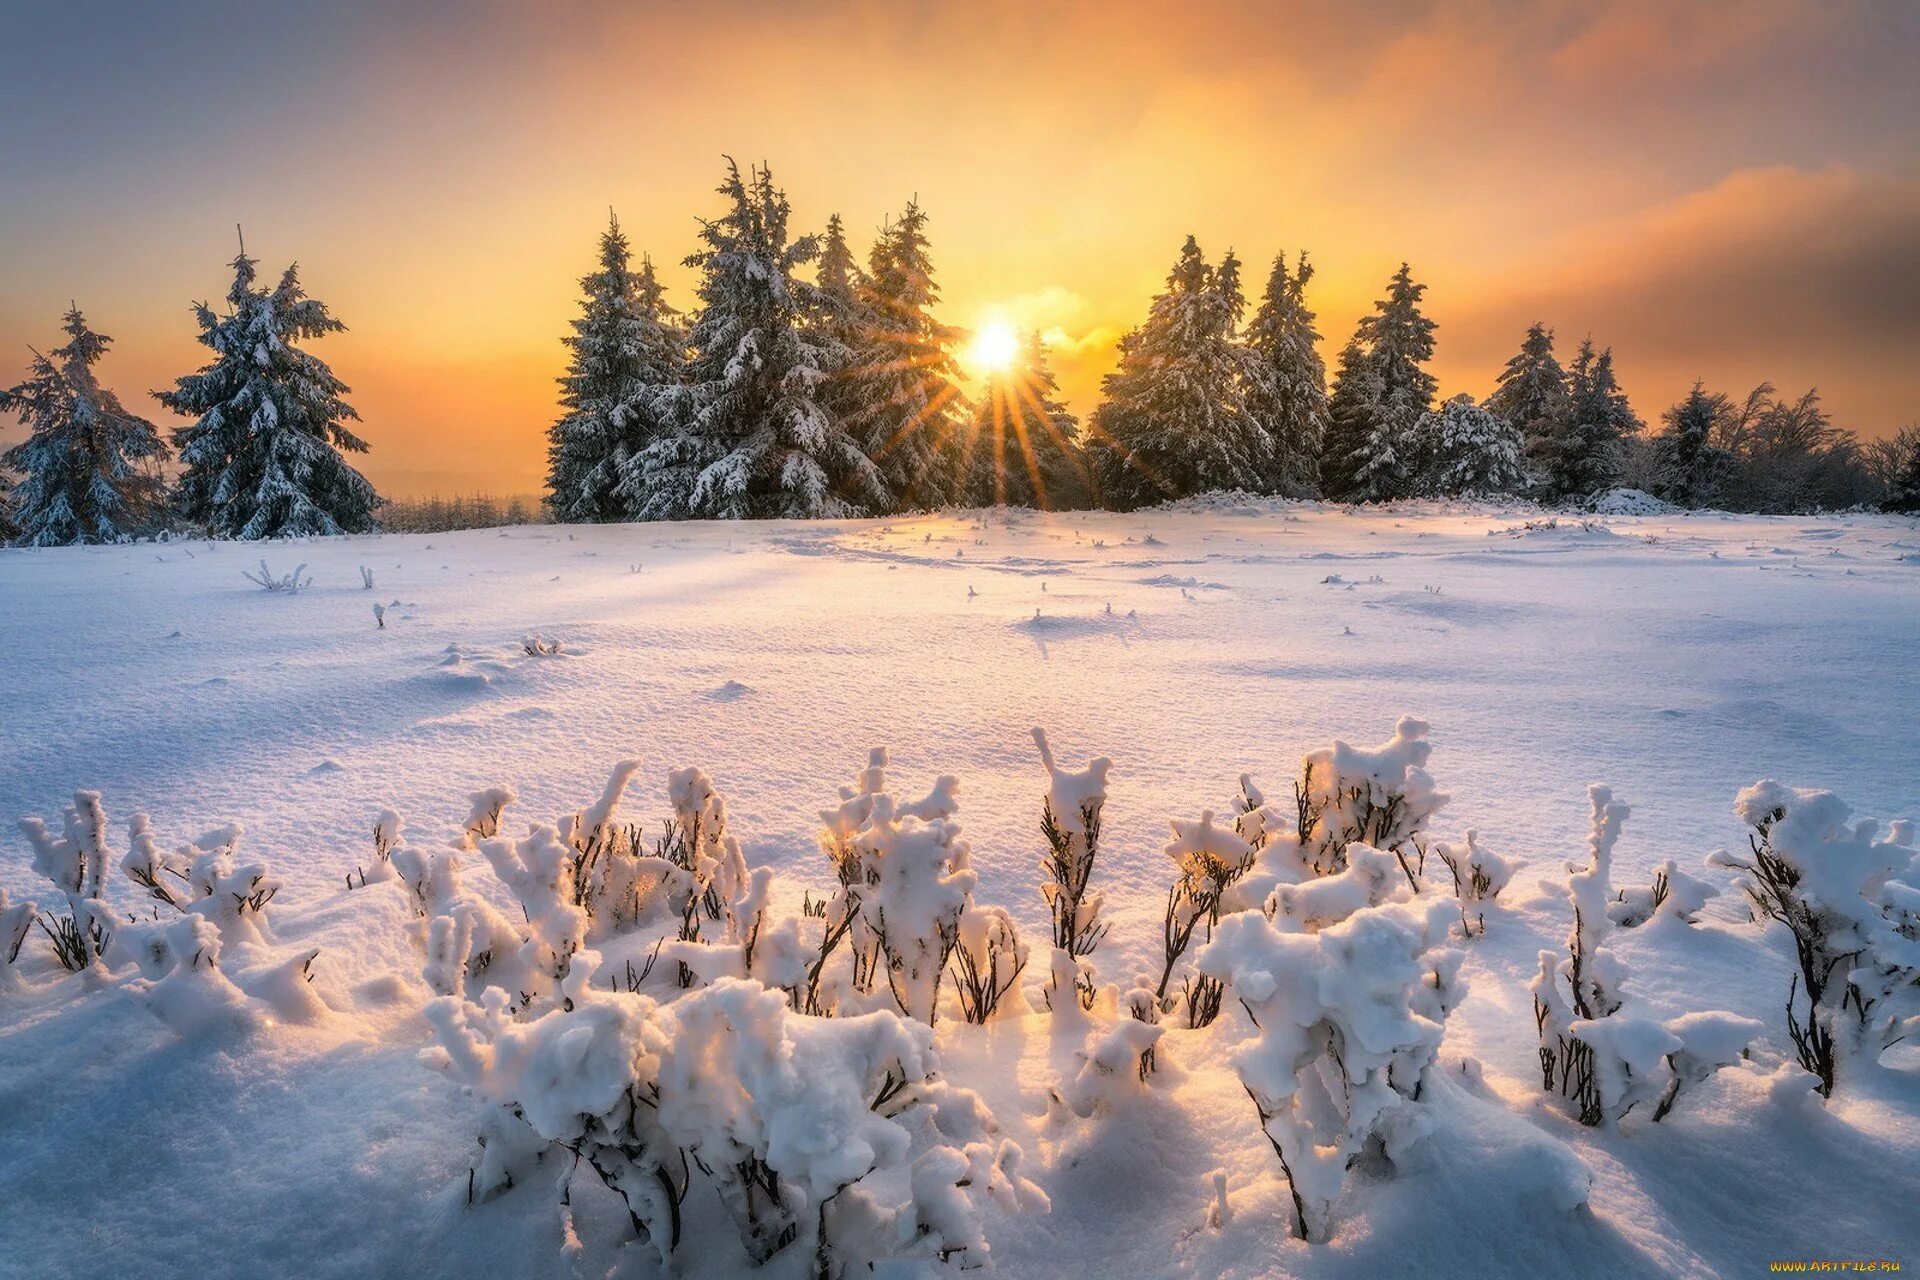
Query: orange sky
1727,191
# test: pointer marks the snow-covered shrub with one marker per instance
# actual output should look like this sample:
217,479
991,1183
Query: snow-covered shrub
1607,1061
536,645
1672,894
1381,796
906,884
1113,1066
16,921
290,584
1209,859
1347,1020
1070,821
75,861
987,964
202,904
832,1134
1852,903
1478,877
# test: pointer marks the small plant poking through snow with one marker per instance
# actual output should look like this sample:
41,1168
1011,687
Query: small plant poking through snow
1478,877
201,905
1383,797
1346,1022
832,1135
291,584
539,646
1604,1060
1070,817
1852,904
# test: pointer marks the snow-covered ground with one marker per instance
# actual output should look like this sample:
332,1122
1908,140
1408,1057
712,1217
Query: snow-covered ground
1676,658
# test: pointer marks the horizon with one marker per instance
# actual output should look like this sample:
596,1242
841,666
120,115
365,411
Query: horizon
1742,204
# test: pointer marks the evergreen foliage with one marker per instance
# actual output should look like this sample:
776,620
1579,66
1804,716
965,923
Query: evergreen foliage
1287,382
625,349
1531,393
1175,419
749,435
908,412
1462,448
1380,391
1023,443
1584,455
262,457
89,468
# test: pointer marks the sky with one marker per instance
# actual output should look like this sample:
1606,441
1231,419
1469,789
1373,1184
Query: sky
1720,191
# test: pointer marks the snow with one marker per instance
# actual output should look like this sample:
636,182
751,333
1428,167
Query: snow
282,1124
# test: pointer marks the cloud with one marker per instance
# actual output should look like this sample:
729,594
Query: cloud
1799,277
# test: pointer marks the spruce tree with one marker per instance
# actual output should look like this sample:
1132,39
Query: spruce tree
748,435
88,467
1287,382
625,349
837,274
262,457
1531,393
1174,417
1380,391
1904,493
1023,443
906,406
8,529
1583,457
1350,414
1463,448
1688,463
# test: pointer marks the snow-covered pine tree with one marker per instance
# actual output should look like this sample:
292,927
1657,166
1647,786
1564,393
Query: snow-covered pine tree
1462,448
1531,392
1687,460
262,457
1287,382
8,529
906,406
89,468
748,435
625,347
1023,445
1583,457
1904,494
1380,391
837,275
1174,419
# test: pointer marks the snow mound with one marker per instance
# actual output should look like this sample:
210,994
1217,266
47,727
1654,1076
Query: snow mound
1629,502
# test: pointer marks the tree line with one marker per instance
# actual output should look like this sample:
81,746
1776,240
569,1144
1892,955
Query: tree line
804,383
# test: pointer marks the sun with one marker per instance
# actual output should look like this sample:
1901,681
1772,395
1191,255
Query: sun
993,350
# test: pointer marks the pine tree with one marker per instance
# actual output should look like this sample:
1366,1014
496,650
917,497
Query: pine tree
1904,493
625,349
1380,392
262,457
89,467
837,275
8,529
1287,382
1023,443
1174,417
1462,448
907,408
1688,463
1531,393
748,436
1583,457
1351,410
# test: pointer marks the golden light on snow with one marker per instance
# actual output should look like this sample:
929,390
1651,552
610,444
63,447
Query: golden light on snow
994,348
